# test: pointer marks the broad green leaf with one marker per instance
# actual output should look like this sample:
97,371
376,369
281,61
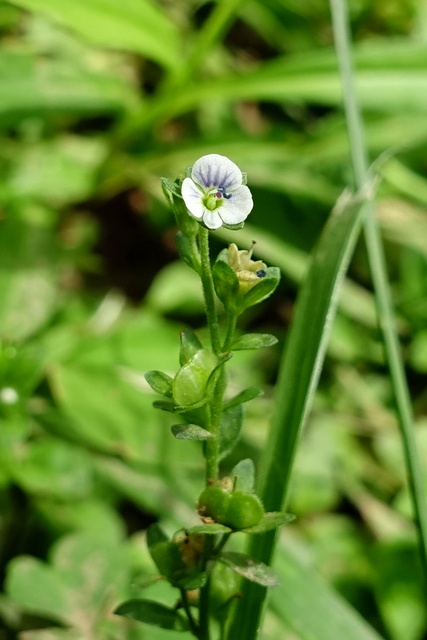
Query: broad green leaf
299,373
58,171
57,87
254,341
27,288
139,26
52,467
253,571
308,607
398,589
94,569
152,613
104,410
38,588
190,432
244,475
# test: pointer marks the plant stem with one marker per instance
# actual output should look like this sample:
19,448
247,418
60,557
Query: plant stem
380,279
228,340
193,625
204,633
212,444
208,290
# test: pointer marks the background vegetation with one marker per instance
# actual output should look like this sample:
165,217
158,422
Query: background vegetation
99,99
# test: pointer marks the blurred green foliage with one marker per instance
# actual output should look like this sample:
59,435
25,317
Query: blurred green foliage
99,99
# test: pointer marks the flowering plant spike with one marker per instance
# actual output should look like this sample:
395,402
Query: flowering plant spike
215,194
193,560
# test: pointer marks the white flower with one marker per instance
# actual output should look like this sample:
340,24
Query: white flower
215,194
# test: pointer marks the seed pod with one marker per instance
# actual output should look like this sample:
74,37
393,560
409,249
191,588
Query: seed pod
243,510
213,503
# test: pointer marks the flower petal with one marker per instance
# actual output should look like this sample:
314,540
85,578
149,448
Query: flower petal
214,170
193,198
212,219
238,207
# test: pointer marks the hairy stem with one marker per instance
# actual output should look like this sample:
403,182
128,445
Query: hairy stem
208,290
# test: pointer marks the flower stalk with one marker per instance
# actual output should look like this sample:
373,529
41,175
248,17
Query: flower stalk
213,194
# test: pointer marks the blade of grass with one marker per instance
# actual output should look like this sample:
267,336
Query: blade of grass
380,280
298,376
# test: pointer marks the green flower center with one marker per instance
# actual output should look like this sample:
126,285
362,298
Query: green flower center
213,199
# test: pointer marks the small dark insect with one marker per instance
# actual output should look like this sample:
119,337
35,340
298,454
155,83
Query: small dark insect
261,273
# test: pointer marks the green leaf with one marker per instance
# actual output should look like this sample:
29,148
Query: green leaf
244,396
38,588
58,87
263,289
27,291
170,187
165,405
253,571
155,534
160,382
226,283
209,529
152,613
231,424
244,474
190,432
139,26
190,345
299,373
398,589
254,341
328,615
187,252
271,520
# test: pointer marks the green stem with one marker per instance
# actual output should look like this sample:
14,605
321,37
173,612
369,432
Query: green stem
212,444
221,544
231,327
208,290
193,625
380,279
204,633
215,402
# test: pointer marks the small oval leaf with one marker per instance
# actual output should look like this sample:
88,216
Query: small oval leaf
244,396
152,613
271,520
254,571
209,529
160,382
244,472
190,432
231,423
254,341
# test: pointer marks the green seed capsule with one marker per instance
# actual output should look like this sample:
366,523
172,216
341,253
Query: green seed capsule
213,503
243,510
224,587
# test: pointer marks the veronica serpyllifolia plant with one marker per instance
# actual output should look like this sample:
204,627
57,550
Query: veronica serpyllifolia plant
194,560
